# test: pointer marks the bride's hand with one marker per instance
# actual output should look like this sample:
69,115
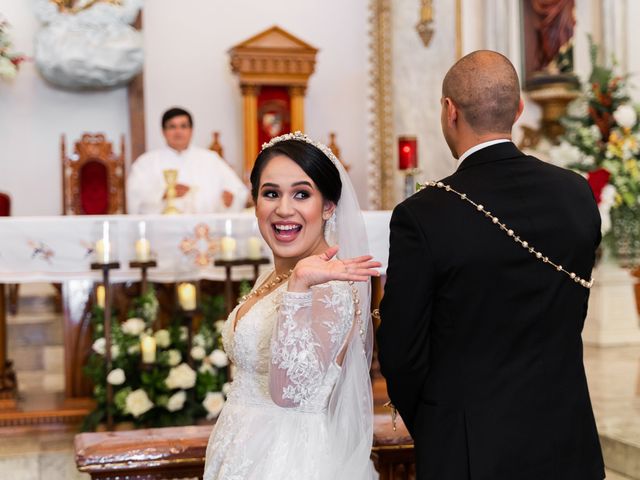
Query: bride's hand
318,269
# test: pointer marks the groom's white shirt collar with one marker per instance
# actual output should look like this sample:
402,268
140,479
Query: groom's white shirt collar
478,147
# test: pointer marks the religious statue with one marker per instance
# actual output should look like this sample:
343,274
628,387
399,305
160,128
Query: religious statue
88,44
548,59
554,26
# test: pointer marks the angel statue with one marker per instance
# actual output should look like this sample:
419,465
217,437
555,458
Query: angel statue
88,44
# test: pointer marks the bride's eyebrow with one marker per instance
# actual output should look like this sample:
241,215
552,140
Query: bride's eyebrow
295,184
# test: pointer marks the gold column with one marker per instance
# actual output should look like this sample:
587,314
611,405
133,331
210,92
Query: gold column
297,108
250,108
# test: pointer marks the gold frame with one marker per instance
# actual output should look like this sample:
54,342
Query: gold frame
381,179
381,191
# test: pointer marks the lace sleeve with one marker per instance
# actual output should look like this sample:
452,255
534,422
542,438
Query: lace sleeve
310,331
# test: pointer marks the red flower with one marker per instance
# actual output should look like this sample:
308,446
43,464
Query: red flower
598,179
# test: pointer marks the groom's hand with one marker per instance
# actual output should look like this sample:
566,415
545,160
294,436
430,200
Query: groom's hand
318,269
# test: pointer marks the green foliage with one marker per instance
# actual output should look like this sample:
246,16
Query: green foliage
172,351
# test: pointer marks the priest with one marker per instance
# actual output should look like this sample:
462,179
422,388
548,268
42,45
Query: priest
205,183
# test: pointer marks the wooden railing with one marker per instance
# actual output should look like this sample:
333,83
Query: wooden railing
179,452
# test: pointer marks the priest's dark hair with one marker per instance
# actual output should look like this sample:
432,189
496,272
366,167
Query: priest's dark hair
175,112
310,159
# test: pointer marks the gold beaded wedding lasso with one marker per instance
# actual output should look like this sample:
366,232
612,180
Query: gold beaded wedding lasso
523,243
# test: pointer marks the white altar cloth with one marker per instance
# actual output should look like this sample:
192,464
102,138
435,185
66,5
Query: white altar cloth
55,249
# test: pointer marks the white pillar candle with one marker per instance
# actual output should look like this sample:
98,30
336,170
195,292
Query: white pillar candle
103,246
254,248
148,348
100,296
103,251
187,296
228,248
143,250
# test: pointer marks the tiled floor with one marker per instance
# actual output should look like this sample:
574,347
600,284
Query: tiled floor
614,382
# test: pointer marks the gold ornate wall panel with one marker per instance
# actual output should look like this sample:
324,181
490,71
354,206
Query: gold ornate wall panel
381,184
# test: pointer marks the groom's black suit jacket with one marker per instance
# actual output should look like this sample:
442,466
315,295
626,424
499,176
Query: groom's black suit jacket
480,341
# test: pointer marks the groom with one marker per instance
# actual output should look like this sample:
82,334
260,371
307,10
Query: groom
480,339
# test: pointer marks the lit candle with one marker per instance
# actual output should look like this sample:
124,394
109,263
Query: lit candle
228,244
187,296
228,248
143,246
407,153
254,248
148,348
100,296
143,250
103,246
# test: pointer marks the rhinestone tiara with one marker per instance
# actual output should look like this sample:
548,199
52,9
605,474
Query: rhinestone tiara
303,137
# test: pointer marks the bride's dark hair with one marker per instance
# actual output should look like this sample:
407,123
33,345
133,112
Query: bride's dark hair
310,159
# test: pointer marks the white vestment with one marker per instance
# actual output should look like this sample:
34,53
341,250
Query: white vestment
205,173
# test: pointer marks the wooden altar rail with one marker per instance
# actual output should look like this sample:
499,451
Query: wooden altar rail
179,452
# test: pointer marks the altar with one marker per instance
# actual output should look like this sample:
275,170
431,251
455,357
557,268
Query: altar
56,249
61,250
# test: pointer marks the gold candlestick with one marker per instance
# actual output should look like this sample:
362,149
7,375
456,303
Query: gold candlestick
171,178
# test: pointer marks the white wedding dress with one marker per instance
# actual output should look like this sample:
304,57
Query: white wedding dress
292,411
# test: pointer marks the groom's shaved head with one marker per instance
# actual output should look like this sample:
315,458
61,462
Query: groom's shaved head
485,88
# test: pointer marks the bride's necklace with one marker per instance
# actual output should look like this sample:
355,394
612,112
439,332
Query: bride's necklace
267,286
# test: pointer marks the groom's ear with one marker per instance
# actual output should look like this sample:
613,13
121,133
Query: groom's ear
327,210
451,111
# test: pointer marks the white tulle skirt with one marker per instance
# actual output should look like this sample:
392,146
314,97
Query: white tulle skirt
267,442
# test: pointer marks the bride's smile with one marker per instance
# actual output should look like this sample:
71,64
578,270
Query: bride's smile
291,212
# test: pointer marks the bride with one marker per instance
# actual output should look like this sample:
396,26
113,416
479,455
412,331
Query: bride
300,405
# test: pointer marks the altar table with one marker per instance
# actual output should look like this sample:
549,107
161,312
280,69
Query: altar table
55,249
61,249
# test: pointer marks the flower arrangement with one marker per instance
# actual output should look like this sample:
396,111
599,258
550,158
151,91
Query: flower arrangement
9,61
182,383
602,141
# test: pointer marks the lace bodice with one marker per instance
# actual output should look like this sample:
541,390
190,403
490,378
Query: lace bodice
285,347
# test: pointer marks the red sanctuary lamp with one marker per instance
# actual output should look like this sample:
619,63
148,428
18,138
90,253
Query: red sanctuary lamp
408,162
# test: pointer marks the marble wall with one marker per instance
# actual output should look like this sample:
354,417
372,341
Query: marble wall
417,79
487,24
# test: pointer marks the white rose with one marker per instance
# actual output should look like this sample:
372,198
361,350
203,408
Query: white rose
115,352
174,357
176,401
133,326
565,154
198,340
213,403
99,346
198,353
219,325
184,333
138,402
226,388
116,377
219,358
625,116
182,376
595,132
163,339
206,367
133,349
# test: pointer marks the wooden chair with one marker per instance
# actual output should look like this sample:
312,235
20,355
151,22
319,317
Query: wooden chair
93,177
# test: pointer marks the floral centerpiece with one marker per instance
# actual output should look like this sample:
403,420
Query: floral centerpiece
9,61
182,383
602,141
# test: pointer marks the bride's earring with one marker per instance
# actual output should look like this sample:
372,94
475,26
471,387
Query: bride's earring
330,229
